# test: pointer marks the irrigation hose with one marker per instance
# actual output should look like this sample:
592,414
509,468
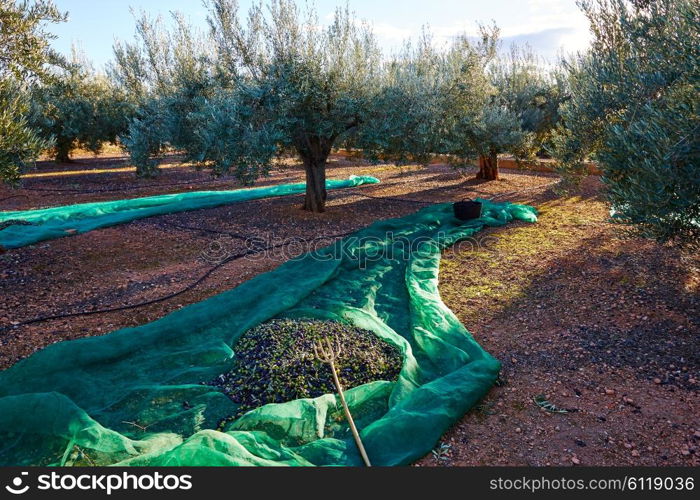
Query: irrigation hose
14,196
209,272
111,190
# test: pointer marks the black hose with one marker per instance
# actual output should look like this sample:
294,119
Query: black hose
111,190
404,200
14,196
208,273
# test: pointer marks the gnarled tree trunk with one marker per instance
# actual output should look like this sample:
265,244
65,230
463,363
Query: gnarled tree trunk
62,150
315,200
488,167
314,151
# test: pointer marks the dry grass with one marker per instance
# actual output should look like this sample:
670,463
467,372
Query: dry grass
482,281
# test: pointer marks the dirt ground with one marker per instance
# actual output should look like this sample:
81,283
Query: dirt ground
605,327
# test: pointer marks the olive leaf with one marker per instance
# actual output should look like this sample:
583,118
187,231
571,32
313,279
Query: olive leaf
442,451
541,401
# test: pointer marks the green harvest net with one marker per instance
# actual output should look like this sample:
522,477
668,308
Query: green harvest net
135,396
57,222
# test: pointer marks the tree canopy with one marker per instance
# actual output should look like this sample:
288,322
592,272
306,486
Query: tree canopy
634,108
77,107
25,58
24,38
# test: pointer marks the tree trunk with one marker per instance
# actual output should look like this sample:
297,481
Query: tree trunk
488,167
63,152
314,151
316,194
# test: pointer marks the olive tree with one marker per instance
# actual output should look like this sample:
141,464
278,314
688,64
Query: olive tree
297,84
251,89
435,101
532,92
635,97
77,108
24,59
516,113
466,94
168,75
19,143
26,50
496,130
402,122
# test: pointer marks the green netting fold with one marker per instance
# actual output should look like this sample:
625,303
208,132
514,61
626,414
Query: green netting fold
57,222
135,396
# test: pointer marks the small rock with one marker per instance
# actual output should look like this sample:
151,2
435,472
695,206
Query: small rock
609,392
575,460
518,430
635,453
657,381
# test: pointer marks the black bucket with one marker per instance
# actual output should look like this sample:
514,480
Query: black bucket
467,210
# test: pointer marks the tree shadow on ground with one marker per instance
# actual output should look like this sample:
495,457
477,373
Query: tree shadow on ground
607,301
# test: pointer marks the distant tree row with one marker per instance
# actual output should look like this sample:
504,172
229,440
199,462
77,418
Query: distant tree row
249,89
24,59
78,108
48,102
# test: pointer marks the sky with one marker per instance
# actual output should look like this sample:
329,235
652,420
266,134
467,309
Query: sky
550,27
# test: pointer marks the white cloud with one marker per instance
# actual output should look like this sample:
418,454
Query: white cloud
392,33
551,27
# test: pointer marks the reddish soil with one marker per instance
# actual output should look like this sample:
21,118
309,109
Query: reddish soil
600,324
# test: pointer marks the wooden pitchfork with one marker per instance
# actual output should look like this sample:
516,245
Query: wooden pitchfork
327,353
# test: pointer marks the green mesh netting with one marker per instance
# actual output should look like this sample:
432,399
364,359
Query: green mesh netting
57,222
134,397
